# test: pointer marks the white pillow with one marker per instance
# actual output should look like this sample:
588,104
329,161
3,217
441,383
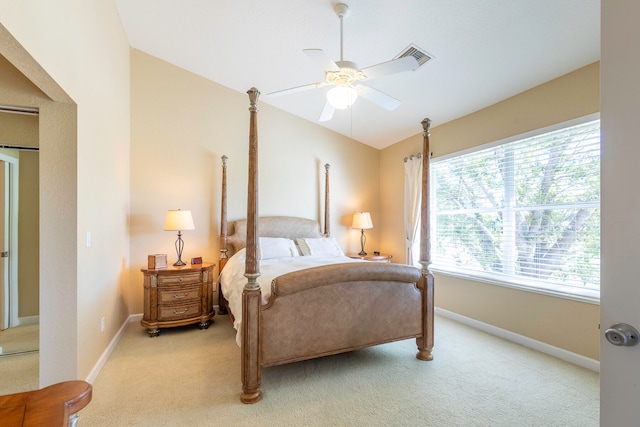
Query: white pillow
277,247
319,246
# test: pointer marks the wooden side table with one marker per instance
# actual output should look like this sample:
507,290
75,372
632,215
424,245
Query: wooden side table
178,296
372,257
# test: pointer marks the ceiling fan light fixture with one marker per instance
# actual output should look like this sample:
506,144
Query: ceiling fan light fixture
341,97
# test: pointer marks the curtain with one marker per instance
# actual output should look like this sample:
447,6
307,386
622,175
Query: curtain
412,197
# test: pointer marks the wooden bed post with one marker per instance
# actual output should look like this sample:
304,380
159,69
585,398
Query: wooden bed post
223,215
425,342
327,222
222,308
251,295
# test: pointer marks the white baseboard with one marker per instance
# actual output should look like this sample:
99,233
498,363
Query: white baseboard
28,320
112,345
545,348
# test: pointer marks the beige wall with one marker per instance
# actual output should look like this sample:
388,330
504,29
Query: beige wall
182,124
563,323
29,235
77,54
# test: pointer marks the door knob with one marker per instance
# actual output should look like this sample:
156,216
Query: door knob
622,334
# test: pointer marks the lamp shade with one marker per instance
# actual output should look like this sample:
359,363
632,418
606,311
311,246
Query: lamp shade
342,97
362,221
178,220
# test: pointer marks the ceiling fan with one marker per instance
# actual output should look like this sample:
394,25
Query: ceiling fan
345,77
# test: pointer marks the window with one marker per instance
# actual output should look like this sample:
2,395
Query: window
524,213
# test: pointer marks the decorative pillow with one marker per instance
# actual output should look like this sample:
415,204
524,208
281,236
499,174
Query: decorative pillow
277,247
319,246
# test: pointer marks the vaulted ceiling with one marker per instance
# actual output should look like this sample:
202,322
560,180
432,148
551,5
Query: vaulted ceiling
483,51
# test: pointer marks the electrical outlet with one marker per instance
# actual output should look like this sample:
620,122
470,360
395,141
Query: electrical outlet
102,325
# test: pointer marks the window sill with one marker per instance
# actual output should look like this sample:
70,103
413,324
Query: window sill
583,295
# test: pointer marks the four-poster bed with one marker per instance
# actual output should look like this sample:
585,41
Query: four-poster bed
322,310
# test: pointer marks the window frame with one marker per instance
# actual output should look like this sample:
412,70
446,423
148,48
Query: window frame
521,283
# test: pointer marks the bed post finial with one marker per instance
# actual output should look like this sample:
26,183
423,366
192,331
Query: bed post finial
254,94
426,124
327,222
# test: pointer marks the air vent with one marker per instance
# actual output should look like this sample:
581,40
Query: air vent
412,50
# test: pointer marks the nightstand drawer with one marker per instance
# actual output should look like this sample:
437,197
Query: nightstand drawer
179,293
180,279
170,312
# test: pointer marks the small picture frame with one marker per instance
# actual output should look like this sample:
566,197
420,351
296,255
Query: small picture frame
196,260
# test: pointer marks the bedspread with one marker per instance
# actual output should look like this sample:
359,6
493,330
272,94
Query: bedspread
232,278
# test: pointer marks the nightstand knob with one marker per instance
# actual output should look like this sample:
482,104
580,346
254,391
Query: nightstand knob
176,296
180,279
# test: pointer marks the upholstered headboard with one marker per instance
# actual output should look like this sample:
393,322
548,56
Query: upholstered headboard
271,226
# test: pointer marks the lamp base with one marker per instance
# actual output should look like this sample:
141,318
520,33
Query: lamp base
179,248
363,240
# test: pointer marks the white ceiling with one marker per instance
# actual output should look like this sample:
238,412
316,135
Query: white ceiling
484,51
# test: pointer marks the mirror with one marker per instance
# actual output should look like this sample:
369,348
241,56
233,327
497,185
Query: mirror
19,235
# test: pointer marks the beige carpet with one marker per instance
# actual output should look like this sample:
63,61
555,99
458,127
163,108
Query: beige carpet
20,339
189,377
19,372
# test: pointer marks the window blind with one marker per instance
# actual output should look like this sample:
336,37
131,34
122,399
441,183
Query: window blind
528,209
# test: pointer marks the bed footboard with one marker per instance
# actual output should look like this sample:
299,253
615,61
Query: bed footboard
337,308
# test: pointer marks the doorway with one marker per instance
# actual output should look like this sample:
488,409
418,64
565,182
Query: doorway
19,248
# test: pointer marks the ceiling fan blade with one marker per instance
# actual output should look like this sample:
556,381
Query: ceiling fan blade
297,89
321,58
408,63
327,112
382,99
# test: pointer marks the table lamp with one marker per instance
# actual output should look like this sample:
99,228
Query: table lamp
362,221
178,220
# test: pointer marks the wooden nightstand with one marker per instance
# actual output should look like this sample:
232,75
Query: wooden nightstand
371,257
177,296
